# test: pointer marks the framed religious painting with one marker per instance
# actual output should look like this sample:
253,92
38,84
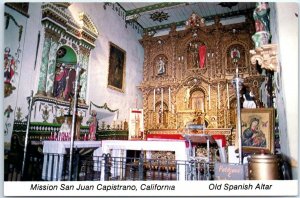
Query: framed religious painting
116,68
257,133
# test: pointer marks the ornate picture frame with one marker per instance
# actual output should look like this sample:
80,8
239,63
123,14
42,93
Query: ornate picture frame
257,130
116,68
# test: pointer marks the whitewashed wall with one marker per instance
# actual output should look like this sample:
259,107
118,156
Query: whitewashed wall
18,51
284,29
111,28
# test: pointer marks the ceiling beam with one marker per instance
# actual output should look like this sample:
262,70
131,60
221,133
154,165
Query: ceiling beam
208,18
151,8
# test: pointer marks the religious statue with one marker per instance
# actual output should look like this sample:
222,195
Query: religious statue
161,66
195,20
60,81
187,97
263,92
160,115
248,99
261,16
93,126
235,55
64,131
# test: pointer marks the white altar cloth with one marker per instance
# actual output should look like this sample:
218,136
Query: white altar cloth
54,156
117,147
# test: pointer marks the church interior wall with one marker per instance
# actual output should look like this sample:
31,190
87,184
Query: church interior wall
112,29
285,33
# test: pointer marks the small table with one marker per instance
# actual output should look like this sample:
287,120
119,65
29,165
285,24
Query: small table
54,152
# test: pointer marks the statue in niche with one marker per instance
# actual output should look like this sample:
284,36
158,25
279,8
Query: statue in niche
160,115
194,54
161,66
235,55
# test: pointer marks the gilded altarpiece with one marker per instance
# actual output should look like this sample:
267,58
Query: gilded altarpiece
187,75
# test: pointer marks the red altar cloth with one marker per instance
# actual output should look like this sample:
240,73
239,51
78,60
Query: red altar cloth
220,137
164,137
171,137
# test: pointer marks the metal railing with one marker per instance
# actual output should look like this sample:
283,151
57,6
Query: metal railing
87,167
107,168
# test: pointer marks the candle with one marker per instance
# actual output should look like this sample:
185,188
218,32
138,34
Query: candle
209,97
218,95
162,99
202,106
154,99
227,91
169,98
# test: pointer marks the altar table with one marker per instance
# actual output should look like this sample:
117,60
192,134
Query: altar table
54,152
118,148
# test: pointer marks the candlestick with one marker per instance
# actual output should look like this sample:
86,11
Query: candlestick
227,91
154,99
162,99
169,98
218,95
209,97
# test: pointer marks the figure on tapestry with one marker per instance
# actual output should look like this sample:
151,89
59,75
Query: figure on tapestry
161,66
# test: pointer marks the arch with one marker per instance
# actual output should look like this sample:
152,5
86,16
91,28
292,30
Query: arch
66,54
